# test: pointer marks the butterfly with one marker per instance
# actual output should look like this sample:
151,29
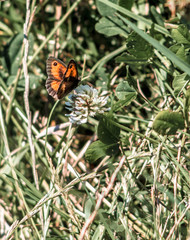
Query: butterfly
61,79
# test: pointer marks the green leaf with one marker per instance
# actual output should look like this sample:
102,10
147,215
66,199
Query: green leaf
88,208
15,17
102,78
157,16
132,82
123,89
181,34
138,47
6,169
12,53
122,103
179,50
98,149
29,185
167,122
136,17
169,54
179,82
62,213
126,142
107,132
103,9
187,105
34,81
116,226
187,95
126,4
131,60
6,29
174,48
111,26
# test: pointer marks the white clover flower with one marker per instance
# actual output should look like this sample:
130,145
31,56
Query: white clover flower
85,102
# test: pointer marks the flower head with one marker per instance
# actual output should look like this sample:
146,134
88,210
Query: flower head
85,102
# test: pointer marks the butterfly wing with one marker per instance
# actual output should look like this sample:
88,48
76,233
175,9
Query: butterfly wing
70,80
56,70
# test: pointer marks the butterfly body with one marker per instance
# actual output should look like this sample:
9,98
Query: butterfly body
61,79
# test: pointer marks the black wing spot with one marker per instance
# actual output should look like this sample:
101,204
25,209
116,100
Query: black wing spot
54,64
70,66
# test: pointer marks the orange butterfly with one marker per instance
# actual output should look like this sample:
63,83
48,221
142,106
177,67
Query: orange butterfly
61,79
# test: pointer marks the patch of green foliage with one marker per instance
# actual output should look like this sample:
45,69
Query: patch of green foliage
124,174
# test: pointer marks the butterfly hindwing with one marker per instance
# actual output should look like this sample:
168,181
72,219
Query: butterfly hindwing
55,70
70,80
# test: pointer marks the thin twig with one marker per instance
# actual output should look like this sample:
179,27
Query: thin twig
26,93
27,25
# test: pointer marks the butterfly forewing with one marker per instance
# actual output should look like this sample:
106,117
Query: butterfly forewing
55,70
